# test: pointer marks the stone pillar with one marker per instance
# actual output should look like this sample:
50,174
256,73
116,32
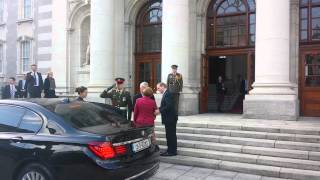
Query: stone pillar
175,49
102,47
273,96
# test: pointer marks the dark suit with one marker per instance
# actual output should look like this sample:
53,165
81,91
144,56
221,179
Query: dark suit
169,119
22,89
34,90
6,94
137,96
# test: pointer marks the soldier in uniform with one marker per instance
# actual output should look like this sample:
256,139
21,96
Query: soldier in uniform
120,98
175,85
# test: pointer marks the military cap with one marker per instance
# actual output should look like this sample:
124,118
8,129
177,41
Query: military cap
119,80
174,66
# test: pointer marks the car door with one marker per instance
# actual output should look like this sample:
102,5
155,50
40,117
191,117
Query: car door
17,127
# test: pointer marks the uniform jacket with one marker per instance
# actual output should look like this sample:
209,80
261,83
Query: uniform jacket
175,83
167,109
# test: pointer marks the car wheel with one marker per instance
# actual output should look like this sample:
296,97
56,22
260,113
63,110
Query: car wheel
34,172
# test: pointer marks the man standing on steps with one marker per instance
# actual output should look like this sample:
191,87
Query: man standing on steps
169,119
175,85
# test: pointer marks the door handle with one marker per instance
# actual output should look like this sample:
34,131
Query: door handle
18,138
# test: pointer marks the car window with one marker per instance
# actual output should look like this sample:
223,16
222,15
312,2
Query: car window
53,128
30,123
10,117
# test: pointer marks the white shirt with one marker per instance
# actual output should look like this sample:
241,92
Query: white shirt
36,77
23,84
13,91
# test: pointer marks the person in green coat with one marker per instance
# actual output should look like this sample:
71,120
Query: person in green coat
120,98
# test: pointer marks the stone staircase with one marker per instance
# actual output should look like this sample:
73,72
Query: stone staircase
292,153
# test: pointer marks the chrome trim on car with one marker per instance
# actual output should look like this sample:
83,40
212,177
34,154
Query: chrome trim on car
128,142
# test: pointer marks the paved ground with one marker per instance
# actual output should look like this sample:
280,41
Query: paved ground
177,172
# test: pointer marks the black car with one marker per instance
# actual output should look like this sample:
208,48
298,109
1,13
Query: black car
60,140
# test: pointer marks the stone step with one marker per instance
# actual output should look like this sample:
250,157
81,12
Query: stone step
270,171
247,134
246,141
250,127
249,158
273,152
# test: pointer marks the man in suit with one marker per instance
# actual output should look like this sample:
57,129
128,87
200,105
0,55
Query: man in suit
175,85
34,82
169,119
10,91
143,86
22,87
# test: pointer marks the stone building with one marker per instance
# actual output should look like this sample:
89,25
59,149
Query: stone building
272,47
25,36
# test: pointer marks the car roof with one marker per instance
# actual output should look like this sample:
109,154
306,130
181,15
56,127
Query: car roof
34,103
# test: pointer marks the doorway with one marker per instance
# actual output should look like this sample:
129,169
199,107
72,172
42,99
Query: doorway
237,72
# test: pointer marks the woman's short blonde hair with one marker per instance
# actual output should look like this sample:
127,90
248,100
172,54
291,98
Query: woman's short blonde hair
147,92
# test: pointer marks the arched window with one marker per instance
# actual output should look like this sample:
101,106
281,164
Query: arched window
231,23
309,20
149,28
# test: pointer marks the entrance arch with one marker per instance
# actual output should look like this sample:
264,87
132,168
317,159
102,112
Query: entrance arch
148,44
230,46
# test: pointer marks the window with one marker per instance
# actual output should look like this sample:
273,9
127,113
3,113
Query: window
231,23
1,11
30,123
1,57
10,117
25,55
312,70
54,128
27,9
309,20
149,28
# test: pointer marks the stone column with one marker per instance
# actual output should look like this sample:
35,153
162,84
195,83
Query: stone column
273,96
176,49
102,46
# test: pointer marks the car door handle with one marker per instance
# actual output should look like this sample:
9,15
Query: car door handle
18,138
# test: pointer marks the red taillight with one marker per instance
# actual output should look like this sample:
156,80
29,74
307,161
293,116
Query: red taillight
120,150
103,150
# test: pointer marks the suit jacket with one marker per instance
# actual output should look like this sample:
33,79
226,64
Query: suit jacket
138,96
167,110
7,94
22,93
31,81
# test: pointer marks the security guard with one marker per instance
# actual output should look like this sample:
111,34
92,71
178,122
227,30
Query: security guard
175,85
120,98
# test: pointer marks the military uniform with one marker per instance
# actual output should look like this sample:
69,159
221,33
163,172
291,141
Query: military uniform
175,85
121,99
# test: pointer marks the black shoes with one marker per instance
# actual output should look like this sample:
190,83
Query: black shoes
167,154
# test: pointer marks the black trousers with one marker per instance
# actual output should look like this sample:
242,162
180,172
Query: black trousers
35,92
176,97
171,135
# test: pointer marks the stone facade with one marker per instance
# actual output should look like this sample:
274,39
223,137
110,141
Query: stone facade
112,45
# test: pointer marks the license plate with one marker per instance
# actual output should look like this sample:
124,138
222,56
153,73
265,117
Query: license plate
141,145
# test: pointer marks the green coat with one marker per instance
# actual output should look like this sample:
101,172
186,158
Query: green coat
175,83
120,99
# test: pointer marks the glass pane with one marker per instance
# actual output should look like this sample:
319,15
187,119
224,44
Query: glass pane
304,2
252,18
158,73
10,118
316,34
303,35
315,23
152,38
31,123
304,13
145,72
315,1
252,5
312,70
231,6
315,12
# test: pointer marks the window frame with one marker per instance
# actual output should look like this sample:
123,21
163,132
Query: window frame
211,26
22,10
22,57
309,6
141,25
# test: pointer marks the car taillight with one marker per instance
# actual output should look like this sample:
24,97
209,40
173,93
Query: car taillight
103,150
120,150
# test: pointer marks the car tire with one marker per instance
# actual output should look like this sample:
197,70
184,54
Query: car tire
35,171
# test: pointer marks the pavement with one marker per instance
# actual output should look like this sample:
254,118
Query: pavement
178,172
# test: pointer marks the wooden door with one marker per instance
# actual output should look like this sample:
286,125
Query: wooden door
310,83
148,69
204,84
